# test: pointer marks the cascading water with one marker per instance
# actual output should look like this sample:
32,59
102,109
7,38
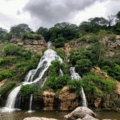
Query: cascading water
61,72
30,105
33,77
9,107
75,75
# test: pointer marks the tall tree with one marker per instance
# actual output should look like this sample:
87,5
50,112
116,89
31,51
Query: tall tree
19,29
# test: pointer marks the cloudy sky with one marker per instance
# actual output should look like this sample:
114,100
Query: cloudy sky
46,13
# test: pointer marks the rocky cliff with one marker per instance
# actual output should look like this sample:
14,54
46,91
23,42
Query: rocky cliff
35,46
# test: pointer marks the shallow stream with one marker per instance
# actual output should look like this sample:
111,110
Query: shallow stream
20,115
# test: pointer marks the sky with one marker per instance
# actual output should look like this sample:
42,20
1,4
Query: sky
47,13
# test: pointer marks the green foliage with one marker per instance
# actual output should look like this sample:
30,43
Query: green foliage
3,61
92,39
111,65
54,68
95,84
29,35
58,42
5,74
57,82
83,66
60,52
84,38
16,62
19,29
11,49
7,36
112,37
102,33
44,32
78,56
7,87
75,85
62,32
27,90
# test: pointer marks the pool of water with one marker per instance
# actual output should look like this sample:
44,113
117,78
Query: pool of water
20,115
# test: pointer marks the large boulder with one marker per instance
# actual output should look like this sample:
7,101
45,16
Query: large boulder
81,113
38,118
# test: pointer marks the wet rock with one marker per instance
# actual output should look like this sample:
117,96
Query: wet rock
83,113
38,118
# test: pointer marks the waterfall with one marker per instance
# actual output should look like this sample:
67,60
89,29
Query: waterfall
9,107
44,82
33,77
30,105
75,75
61,72
49,45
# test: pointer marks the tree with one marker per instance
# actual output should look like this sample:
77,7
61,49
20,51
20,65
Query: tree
19,29
85,26
63,30
118,15
2,31
44,32
110,20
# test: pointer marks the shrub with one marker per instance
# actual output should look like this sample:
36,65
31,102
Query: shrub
5,74
7,87
93,39
95,84
54,68
3,61
75,85
60,52
112,37
11,49
83,66
27,90
31,36
84,38
57,82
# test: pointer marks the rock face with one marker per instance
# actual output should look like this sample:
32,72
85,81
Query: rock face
68,100
37,118
81,113
48,100
35,46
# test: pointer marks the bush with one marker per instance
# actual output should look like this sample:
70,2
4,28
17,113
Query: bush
31,36
3,61
54,68
112,37
7,87
75,85
95,84
27,90
58,42
60,52
93,39
5,74
11,49
57,82
83,66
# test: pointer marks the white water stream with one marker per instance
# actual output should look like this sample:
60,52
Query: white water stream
75,75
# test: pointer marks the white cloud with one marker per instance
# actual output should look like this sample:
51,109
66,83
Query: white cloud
46,13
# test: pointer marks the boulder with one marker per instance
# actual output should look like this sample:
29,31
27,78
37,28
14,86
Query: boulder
81,113
38,118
